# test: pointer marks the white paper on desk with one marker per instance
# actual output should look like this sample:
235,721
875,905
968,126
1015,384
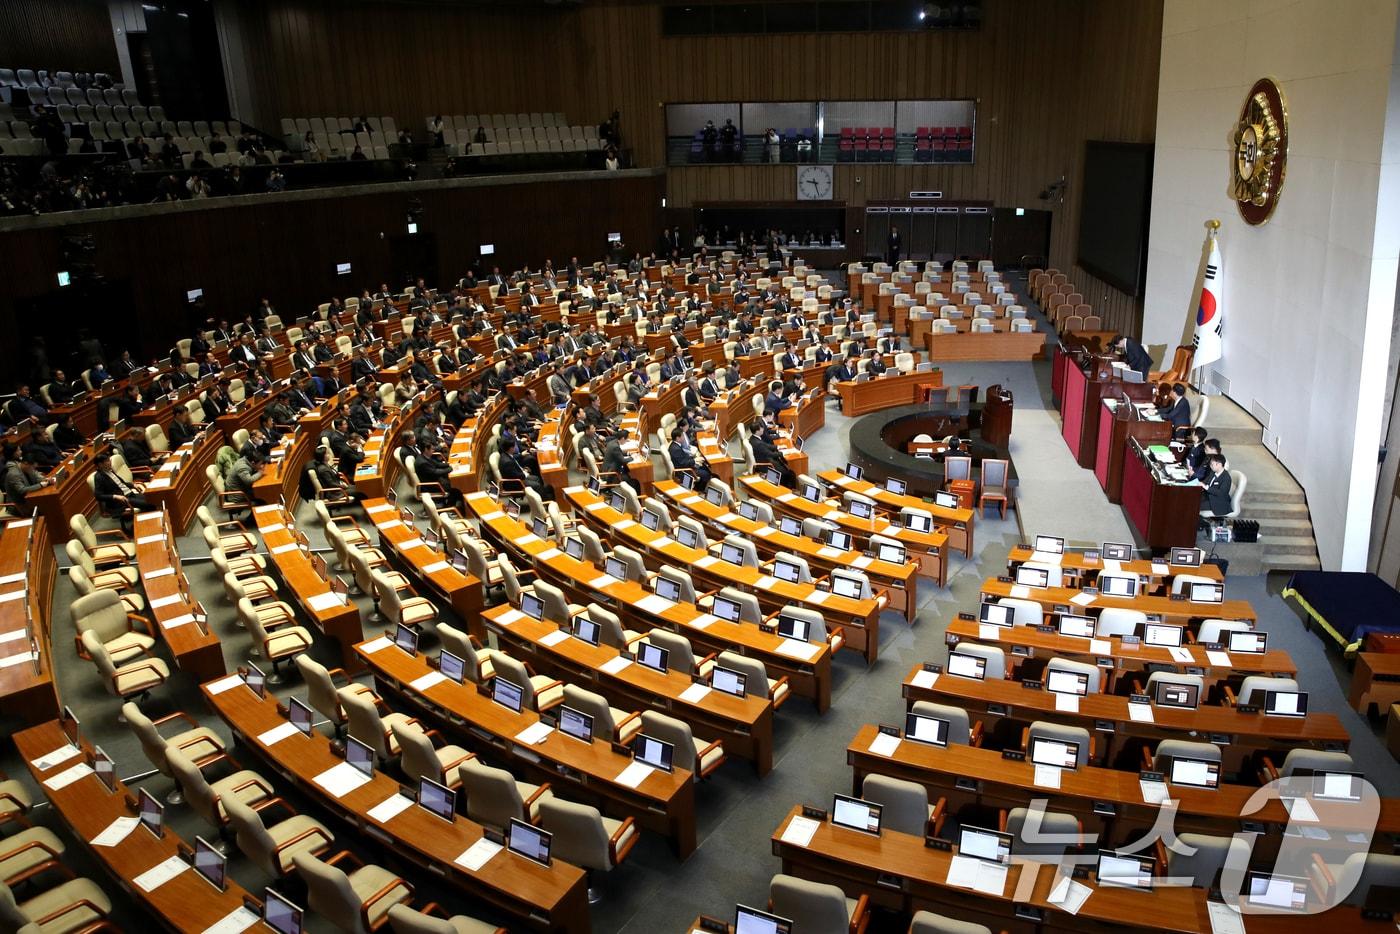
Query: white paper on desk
695,693
1160,570
864,561
478,854
534,734
703,621
278,733
799,831
923,678
763,531
1223,918
143,540
325,601
1140,713
226,683
376,645
765,582
374,510
13,595
159,572
1154,792
116,831
54,757
177,621
1112,565
492,516
341,779
1301,809
794,649
613,665
1217,658
11,661
624,524
826,551
68,776
275,527
884,744
435,567
161,484
1181,654
161,873
553,638
283,549
818,597
424,682
594,507
1100,647
1067,702
988,631
1069,896
391,524
548,554
390,807
510,617
1047,776
235,922
967,872
14,635
1020,591
706,562
408,543
654,603
634,774
601,581
166,601
1046,557
1083,599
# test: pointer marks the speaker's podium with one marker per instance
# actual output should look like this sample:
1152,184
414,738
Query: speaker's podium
1085,378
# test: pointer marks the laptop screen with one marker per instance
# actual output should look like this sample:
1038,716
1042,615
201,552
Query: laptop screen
1186,557
575,723
726,609
668,589
787,571
918,522
151,811
280,914
650,520
855,814
1183,694
990,845
1198,773
300,715
406,638
1161,634
1286,703
811,491
105,768
838,539
1054,752
854,472
507,693
586,630
728,681
532,606
896,486
789,526
967,666
1125,870
1117,551
529,841
573,547
687,536
617,502
1337,786
752,921
1117,585
1287,893
1067,682
1081,626
1032,576
360,756
209,864
847,585
256,680
1049,544
791,627
995,614
748,510
686,479
1248,642
538,527
774,476
894,554
653,752
945,500
731,553
616,568
1207,593
922,729
714,496
451,666
861,509
652,656
437,799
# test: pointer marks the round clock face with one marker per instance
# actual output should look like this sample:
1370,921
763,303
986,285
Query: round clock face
814,182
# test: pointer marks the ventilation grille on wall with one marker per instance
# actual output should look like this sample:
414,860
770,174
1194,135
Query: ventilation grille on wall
1261,414
1220,381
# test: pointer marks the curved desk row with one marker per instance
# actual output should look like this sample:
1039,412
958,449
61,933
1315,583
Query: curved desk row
178,617
28,691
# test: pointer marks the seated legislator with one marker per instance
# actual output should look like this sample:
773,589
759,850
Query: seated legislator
182,429
1217,489
683,457
114,494
1178,411
20,478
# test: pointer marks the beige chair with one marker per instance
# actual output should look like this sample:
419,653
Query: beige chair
680,657
246,565
107,547
364,564
477,666
610,629
539,692
109,578
135,678
123,634
1203,858
412,610
77,905
404,920
14,802
1040,835
276,644
357,902
817,907
207,800
83,584
254,587
419,758
272,849
926,922
494,796
609,722
756,680
905,805
698,757
25,855
233,537
365,723
321,690
201,744
585,838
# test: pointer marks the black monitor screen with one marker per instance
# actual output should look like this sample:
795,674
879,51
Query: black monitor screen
360,756
1198,773
507,693
437,799
575,723
653,752
752,921
923,729
406,638
1183,694
1115,200
209,863
1125,870
1286,703
967,666
529,841
728,681
896,486
652,656
451,666
855,814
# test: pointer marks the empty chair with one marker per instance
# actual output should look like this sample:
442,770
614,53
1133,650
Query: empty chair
680,656
286,641
133,679
208,800
1157,678
1040,834
538,692
405,920
1169,749
365,724
1353,879
609,722
1092,673
494,797
72,906
1202,867
419,758
1115,621
816,907
1304,760
321,690
357,902
585,838
756,680
28,853
412,610
1023,612
104,615
610,629
1218,630
107,547
200,744
557,607
1254,687
1060,733
926,922
273,849
698,757
960,730
476,664
905,804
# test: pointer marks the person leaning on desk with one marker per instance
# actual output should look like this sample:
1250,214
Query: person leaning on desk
1133,352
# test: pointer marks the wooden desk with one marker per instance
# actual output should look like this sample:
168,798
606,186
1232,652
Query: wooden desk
335,616
997,345
808,676
544,899
462,592
180,486
178,617
69,495
860,618
957,523
1375,680
885,391
663,803
1075,566
1084,382
744,724
1175,612
379,471
1164,515
184,903
1117,423
28,567
808,416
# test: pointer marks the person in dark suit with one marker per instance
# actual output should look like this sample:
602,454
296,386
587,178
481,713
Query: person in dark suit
684,457
894,246
1196,454
115,494
123,366
775,401
789,360
18,476
765,451
1202,471
182,429
1216,497
341,439
1133,353
615,460
1178,412
876,366
66,435
843,371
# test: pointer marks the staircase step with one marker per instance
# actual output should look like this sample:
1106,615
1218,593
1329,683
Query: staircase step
1253,495
1273,562
1237,437
1268,510
1285,528
1287,546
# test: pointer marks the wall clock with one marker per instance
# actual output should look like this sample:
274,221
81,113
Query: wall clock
814,182
1260,153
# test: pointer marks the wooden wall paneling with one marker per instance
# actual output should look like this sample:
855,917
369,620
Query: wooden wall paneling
58,35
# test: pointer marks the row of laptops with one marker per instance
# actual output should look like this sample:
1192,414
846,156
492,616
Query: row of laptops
1116,551
1162,635
898,487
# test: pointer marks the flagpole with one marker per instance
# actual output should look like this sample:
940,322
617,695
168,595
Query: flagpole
1212,229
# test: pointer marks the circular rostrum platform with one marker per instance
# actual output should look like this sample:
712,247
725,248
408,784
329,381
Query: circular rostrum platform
879,444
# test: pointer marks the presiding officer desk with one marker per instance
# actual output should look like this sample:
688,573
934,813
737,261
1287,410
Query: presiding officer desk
553,898
662,802
859,618
186,902
743,724
176,614
28,692
1109,802
899,873
807,666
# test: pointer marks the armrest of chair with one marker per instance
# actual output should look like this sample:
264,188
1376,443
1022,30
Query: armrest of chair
80,903
622,829
177,715
1146,758
432,486
1323,881
233,499
975,736
389,887
708,748
53,861
110,533
344,522
434,910
534,796
1268,772
621,726
345,855
1190,637
308,832
138,618
1230,699
860,918
936,818
835,634
130,667
141,471
1138,687
1160,852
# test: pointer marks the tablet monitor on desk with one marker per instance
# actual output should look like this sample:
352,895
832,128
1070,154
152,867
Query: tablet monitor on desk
1198,773
538,527
437,799
923,729
787,571
1083,627
617,501
1054,752
1067,682
406,638
918,522
686,479
1162,635
209,864
71,726
433,540
1248,642
280,914
774,476
529,841
615,568
967,666
790,627
1117,585
1185,557
256,680
532,606
687,536
1116,551
1181,694
810,491
731,553
452,667
586,630
1049,545
847,585
726,609
728,681
151,811
573,547
1029,576
359,756
300,715
856,814
105,768
996,614
896,486
1286,703
1286,893
653,752
651,521
1125,869
575,723
714,496
895,554
946,500
1338,786
652,656
1206,593
749,511
860,509
790,526
853,471
838,539
508,694
980,843
668,589
752,921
